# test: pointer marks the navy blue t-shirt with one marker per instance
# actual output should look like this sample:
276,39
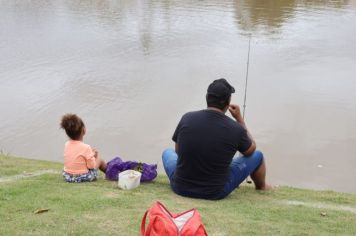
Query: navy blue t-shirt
207,141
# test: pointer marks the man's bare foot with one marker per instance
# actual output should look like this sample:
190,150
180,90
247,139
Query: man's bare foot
268,187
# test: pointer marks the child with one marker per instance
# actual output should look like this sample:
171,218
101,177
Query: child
81,162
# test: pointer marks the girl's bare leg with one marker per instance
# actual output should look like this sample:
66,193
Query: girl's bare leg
101,165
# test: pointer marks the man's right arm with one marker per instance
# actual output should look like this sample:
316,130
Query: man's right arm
252,147
235,112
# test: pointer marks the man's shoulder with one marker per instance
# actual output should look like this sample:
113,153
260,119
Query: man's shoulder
211,117
234,124
193,114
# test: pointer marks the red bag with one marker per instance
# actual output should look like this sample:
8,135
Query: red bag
164,223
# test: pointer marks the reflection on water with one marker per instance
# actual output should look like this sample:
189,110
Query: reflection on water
132,68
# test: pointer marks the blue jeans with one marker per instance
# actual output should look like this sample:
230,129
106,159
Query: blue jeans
240,169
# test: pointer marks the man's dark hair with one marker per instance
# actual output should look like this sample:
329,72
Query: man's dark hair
73,125
220,103
219,93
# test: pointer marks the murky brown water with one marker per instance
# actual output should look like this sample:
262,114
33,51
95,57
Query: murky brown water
131,68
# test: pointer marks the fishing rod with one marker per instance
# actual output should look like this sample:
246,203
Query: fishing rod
248,179
247,67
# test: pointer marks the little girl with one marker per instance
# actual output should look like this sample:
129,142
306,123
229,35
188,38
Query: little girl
81,162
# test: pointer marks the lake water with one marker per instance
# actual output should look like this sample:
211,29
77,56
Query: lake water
132,68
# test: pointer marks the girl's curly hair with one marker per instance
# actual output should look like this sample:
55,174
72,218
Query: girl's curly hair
73,125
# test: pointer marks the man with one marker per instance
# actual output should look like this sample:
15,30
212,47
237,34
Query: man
202,165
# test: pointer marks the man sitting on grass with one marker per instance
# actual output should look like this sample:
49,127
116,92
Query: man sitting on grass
202,165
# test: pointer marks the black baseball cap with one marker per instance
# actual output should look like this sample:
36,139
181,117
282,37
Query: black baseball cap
220,88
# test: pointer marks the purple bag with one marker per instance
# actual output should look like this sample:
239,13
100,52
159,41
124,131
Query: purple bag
116,165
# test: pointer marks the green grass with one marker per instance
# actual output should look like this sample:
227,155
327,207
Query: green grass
100,208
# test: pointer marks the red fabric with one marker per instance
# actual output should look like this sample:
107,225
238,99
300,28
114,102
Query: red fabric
161,223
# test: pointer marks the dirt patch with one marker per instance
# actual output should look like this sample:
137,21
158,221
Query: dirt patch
321,205
27,175
111,195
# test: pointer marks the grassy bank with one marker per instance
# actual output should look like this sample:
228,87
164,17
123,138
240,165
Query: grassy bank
100,208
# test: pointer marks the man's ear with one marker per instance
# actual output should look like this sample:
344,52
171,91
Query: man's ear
227,104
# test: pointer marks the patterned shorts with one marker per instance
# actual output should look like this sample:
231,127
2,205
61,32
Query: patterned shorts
87,177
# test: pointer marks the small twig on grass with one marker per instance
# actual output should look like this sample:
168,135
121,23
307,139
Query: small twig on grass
41,210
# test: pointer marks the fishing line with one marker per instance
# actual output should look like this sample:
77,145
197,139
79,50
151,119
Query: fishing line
247,67
248,180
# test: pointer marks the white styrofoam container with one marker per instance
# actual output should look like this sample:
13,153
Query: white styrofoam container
129,179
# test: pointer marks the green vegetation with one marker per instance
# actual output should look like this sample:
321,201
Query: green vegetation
100,208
